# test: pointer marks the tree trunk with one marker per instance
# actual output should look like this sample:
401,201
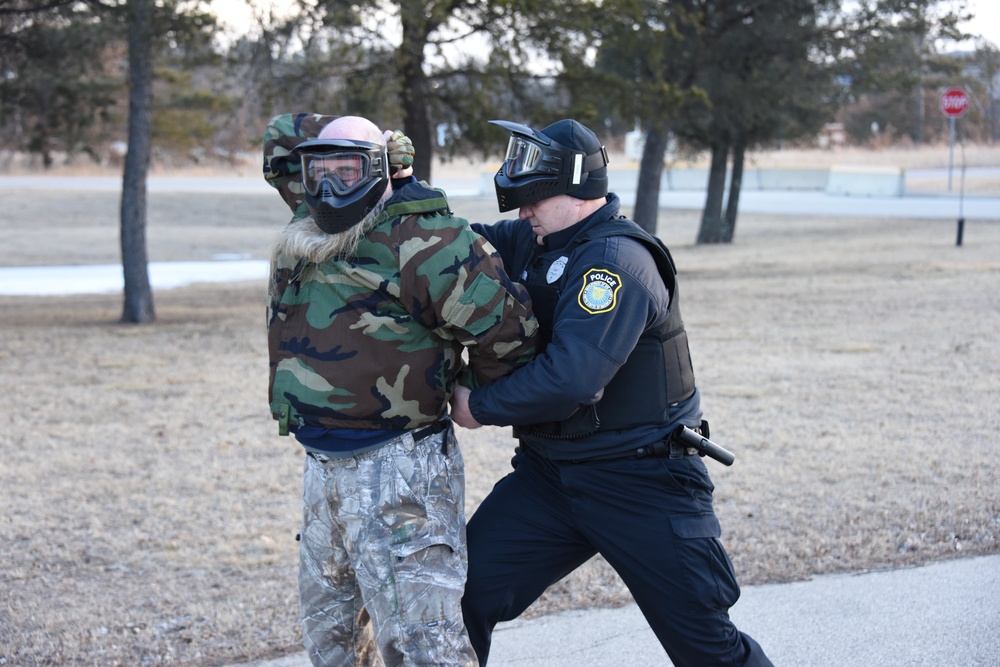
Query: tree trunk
711,217
918,103
735,187
138,293
414,100
647,189
918,132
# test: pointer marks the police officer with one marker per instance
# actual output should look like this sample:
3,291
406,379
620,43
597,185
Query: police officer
595,470
375,295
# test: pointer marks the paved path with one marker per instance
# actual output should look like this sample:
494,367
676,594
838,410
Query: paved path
941,615
944,206
106,278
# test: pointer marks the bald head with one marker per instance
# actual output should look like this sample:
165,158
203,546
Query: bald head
353,128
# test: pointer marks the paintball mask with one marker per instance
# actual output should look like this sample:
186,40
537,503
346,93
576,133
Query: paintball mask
565,158
343,180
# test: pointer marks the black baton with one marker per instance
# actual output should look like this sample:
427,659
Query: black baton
685,436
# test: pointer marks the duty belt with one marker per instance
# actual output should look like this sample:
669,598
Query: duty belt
670,448
662,449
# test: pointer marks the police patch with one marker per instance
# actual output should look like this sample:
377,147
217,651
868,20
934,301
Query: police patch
599,291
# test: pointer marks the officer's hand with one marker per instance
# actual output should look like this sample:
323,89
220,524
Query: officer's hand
400,150
460,413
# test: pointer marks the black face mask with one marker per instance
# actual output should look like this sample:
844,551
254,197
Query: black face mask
334,214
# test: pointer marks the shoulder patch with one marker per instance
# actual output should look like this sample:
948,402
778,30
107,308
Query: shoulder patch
599,293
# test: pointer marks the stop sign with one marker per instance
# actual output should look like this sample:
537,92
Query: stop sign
954,103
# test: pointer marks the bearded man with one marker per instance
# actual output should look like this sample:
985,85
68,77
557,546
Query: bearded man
374,297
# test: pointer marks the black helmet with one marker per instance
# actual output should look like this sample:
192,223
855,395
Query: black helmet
564,158
343,180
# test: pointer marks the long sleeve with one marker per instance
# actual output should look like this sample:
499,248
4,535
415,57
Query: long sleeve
589,341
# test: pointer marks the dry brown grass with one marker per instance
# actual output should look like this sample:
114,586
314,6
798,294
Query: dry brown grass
150,510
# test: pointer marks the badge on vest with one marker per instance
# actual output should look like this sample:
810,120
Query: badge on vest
600,290
556,270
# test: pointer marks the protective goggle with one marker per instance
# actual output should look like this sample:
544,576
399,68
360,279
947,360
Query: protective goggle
344,171
525,157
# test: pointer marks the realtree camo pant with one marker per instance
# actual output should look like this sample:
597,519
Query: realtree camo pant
383,556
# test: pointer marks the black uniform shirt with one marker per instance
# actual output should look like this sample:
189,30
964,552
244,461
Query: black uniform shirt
612,293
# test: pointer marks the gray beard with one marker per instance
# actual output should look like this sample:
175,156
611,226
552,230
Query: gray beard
302,239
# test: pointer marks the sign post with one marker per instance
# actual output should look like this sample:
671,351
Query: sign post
954,104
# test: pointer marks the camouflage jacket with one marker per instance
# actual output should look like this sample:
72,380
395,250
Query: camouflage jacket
375,341
282,134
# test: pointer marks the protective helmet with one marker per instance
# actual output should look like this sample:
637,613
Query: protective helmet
564,158
343,180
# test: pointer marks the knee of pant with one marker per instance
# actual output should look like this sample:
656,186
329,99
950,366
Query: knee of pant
489,607
472,605
475,581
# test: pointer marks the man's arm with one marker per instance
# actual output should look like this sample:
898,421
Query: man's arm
512,239
511,341
590,342
453,281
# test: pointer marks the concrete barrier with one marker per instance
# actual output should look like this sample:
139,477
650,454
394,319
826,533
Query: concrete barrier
851,180
623,180
626,180
865,181
486,187
686,178
790,179
754,178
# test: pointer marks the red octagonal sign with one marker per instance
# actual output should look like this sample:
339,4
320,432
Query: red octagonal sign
954,103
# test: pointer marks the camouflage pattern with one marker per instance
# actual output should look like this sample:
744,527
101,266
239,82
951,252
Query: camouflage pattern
384,533
282,134
375,341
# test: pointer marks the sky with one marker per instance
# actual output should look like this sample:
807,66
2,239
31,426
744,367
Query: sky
986,21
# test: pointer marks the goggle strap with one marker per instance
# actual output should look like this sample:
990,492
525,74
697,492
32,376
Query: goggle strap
596,160
582,165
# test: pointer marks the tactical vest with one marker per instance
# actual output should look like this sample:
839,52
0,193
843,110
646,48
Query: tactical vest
658,373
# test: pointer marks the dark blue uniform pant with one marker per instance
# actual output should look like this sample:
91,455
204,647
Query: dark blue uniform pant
652,521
